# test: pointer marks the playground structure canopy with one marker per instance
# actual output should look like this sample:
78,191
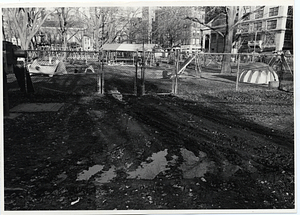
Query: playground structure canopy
128,47
258,73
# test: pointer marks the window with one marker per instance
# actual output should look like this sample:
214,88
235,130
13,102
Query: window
193,41
270,40
245,28
288,36
246,38
273,11
194,33
258,37
213,38
289,23
290,10
259,14
271,24
257,26
197,41
198,33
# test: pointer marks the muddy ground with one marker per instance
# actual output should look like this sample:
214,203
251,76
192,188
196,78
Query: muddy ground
210,147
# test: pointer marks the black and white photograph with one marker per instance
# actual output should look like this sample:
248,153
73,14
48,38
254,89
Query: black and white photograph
148,107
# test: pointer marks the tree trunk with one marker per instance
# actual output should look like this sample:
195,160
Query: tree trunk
230,17
24,43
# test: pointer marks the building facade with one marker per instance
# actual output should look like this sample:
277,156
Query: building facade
268,29
195,39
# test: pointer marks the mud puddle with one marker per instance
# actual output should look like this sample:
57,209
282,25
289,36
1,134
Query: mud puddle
195,166
158,163
87,174
192,167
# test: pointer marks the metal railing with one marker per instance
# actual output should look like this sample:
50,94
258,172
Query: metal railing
68,56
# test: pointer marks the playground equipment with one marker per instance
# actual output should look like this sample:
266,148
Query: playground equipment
280,59
256,74
58,68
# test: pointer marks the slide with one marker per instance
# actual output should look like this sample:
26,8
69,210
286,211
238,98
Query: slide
185,64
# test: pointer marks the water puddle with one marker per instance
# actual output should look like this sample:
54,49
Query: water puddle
150,170
86,174
193,166
107,176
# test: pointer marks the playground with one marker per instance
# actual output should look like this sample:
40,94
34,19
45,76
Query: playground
209,147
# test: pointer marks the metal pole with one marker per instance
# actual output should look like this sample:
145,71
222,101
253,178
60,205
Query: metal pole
177,69
135,61
102,72
25,77
143,71
237,74
5,90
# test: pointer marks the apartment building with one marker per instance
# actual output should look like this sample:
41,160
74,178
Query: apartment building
195,39
268,29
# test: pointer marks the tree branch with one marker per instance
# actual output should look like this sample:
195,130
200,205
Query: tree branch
244,17
194,19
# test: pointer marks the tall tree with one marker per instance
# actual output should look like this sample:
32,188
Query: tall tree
228,37
66,19
27,22
137,31
107,24
170,25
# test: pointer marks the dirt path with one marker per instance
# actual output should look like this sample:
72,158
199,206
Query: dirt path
194,151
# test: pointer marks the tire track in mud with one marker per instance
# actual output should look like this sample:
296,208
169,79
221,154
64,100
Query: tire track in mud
175,131
221,141
232,118
172,127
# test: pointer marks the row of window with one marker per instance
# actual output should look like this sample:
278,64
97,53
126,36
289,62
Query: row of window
258,26
196,33
193,42
273,11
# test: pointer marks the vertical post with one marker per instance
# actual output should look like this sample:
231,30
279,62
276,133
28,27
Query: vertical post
175,80
100,77
25,77
255,36
173,85
135,61
237,73
177,69
99,74
102,73
143,72
198,66
5,90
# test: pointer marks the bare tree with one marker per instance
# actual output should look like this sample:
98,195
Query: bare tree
27,22
8,30
107,24
171,26
68,21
